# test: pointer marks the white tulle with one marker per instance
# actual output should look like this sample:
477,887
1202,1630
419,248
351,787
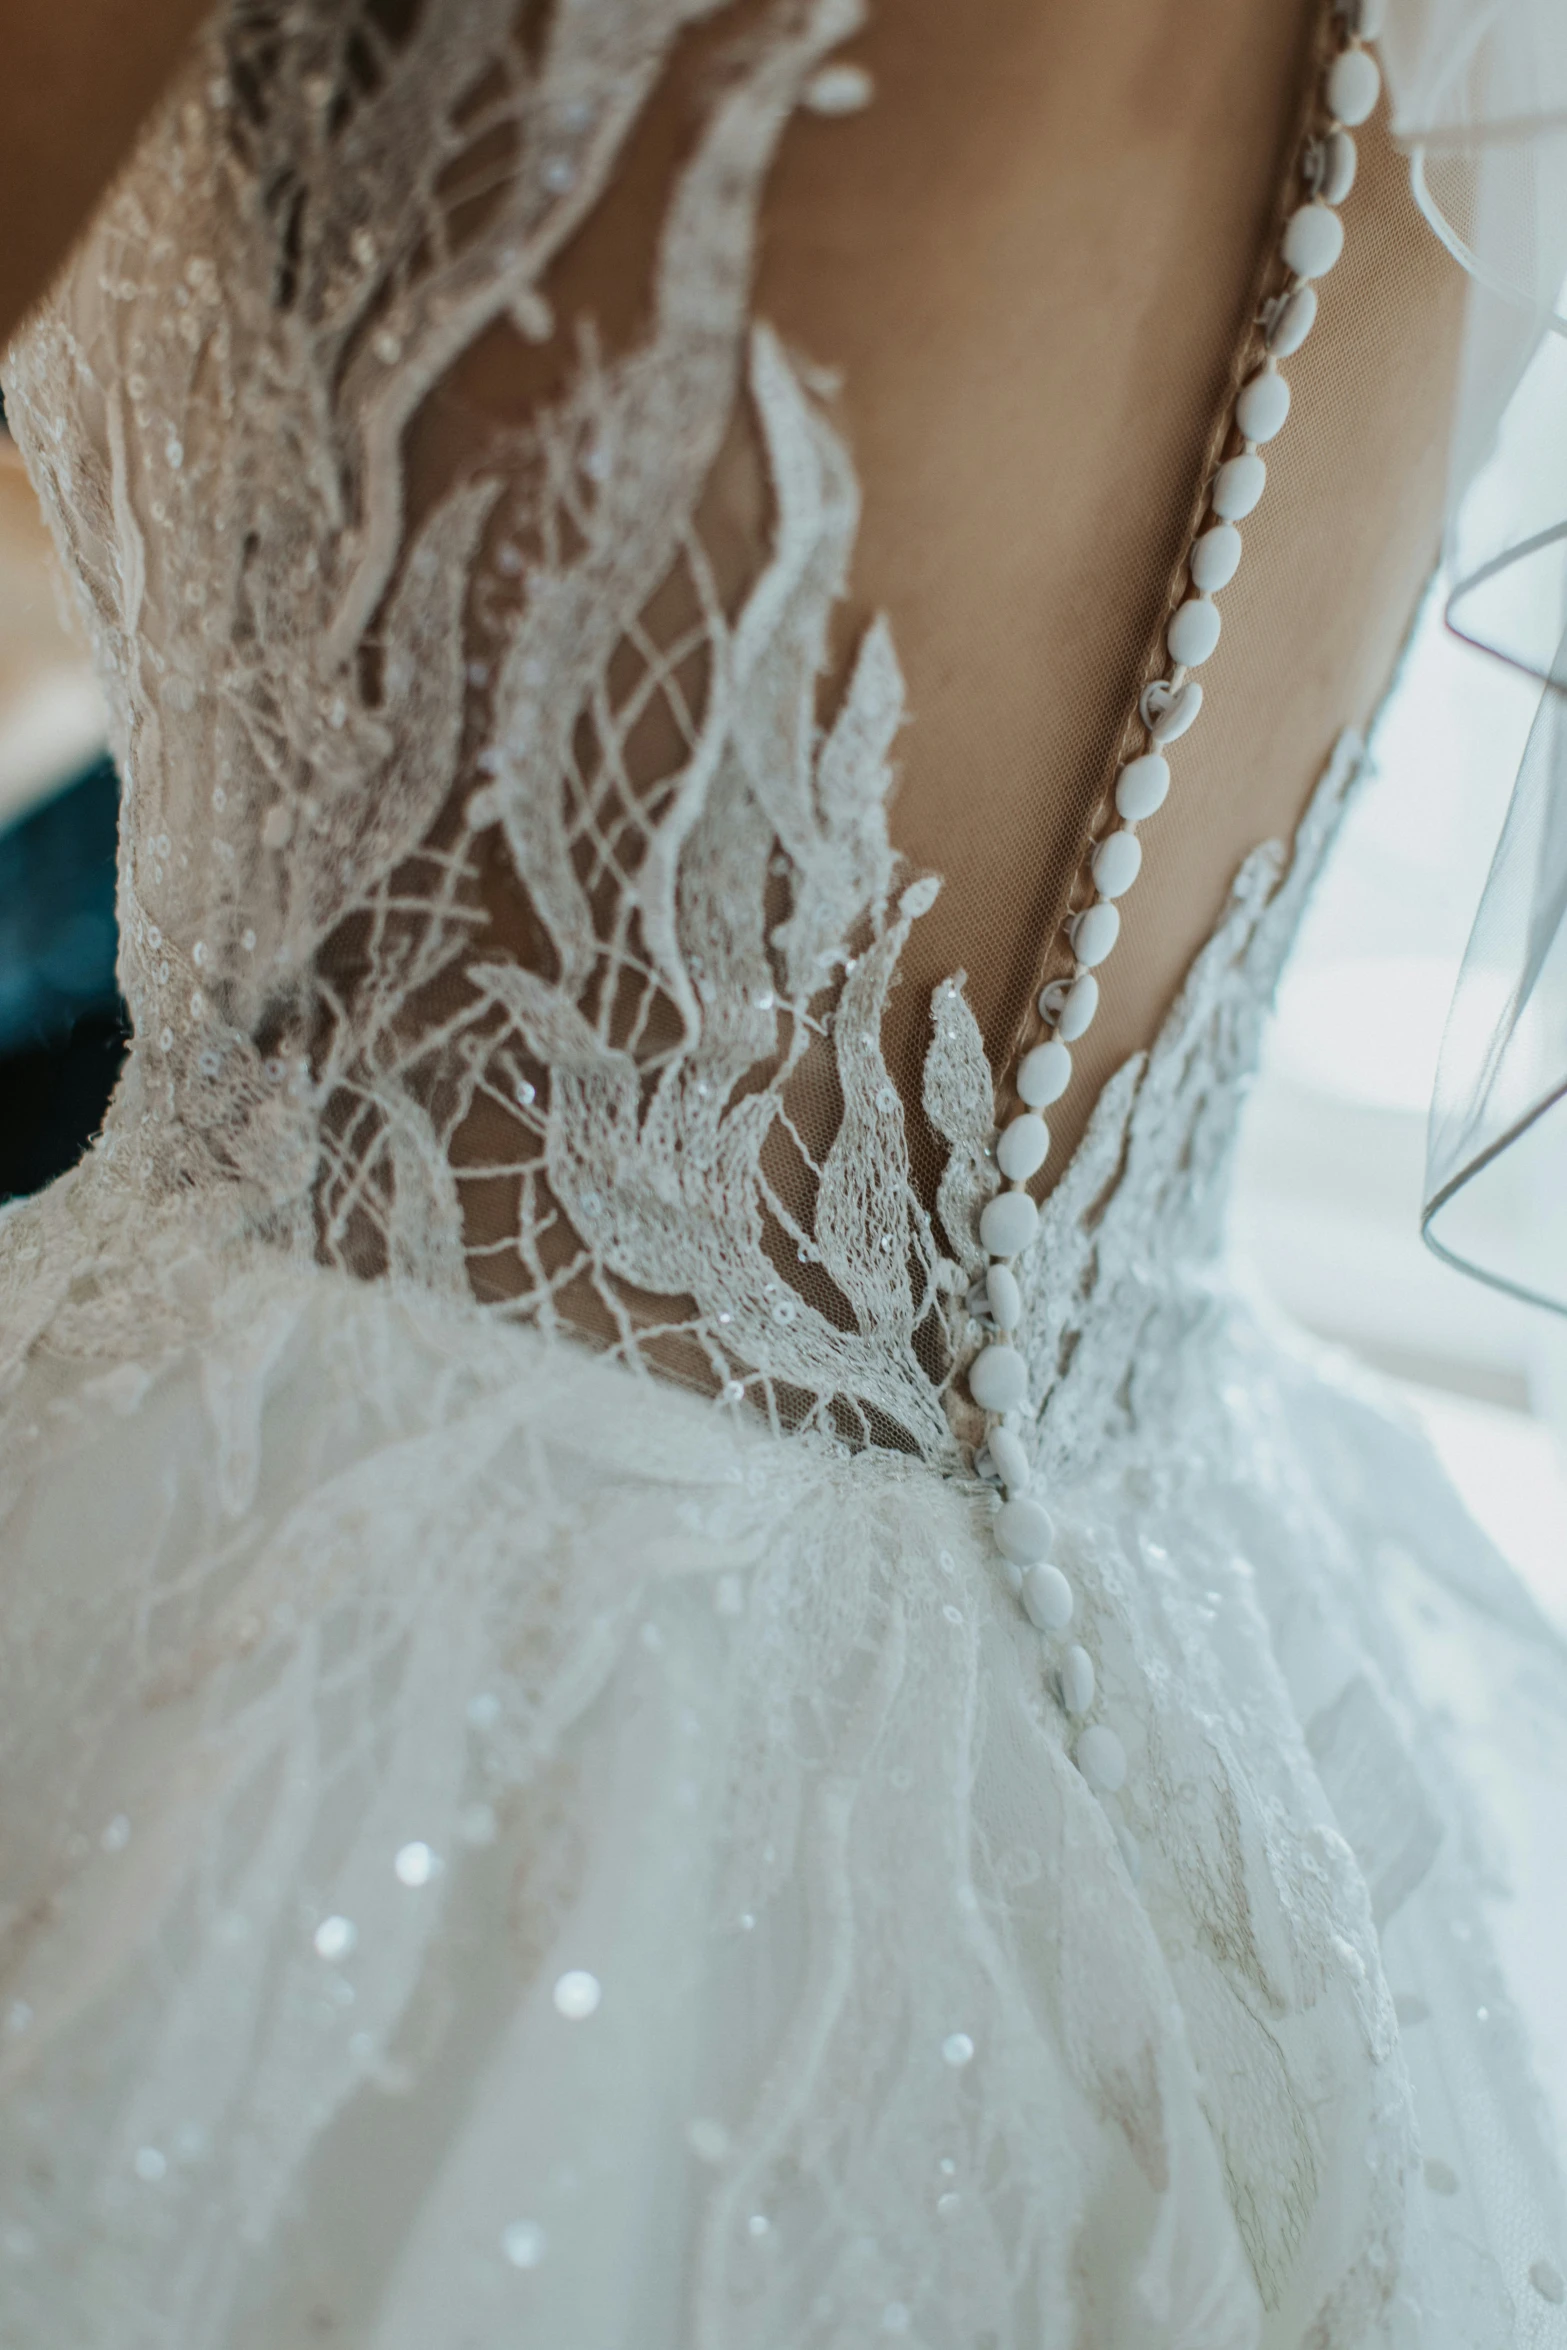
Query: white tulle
745,1728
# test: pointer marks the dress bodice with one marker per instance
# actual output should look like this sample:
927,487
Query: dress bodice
358,701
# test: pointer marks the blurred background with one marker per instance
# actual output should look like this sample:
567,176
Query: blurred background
61,1029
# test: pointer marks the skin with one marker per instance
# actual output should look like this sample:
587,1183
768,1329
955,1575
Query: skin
79,80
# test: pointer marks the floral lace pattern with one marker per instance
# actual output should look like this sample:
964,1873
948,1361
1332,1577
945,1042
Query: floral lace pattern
331,713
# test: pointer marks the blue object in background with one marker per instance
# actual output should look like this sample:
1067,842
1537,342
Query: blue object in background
62,1025
57,931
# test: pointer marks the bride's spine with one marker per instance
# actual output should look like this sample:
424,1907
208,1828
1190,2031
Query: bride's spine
1312,241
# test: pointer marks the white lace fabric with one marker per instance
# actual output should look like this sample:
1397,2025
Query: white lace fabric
331,712
305,1571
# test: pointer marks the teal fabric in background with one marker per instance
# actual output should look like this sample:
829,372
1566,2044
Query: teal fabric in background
62,1027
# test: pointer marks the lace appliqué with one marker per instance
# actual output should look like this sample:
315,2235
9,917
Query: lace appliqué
335,714
342,711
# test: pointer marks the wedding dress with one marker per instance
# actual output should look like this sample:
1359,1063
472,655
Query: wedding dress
529,1812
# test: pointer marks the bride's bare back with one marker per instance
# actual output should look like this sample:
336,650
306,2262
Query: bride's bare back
1031,263
1036,258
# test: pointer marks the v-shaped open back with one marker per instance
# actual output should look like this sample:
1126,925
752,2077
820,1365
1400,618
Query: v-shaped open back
1038,259
517,633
